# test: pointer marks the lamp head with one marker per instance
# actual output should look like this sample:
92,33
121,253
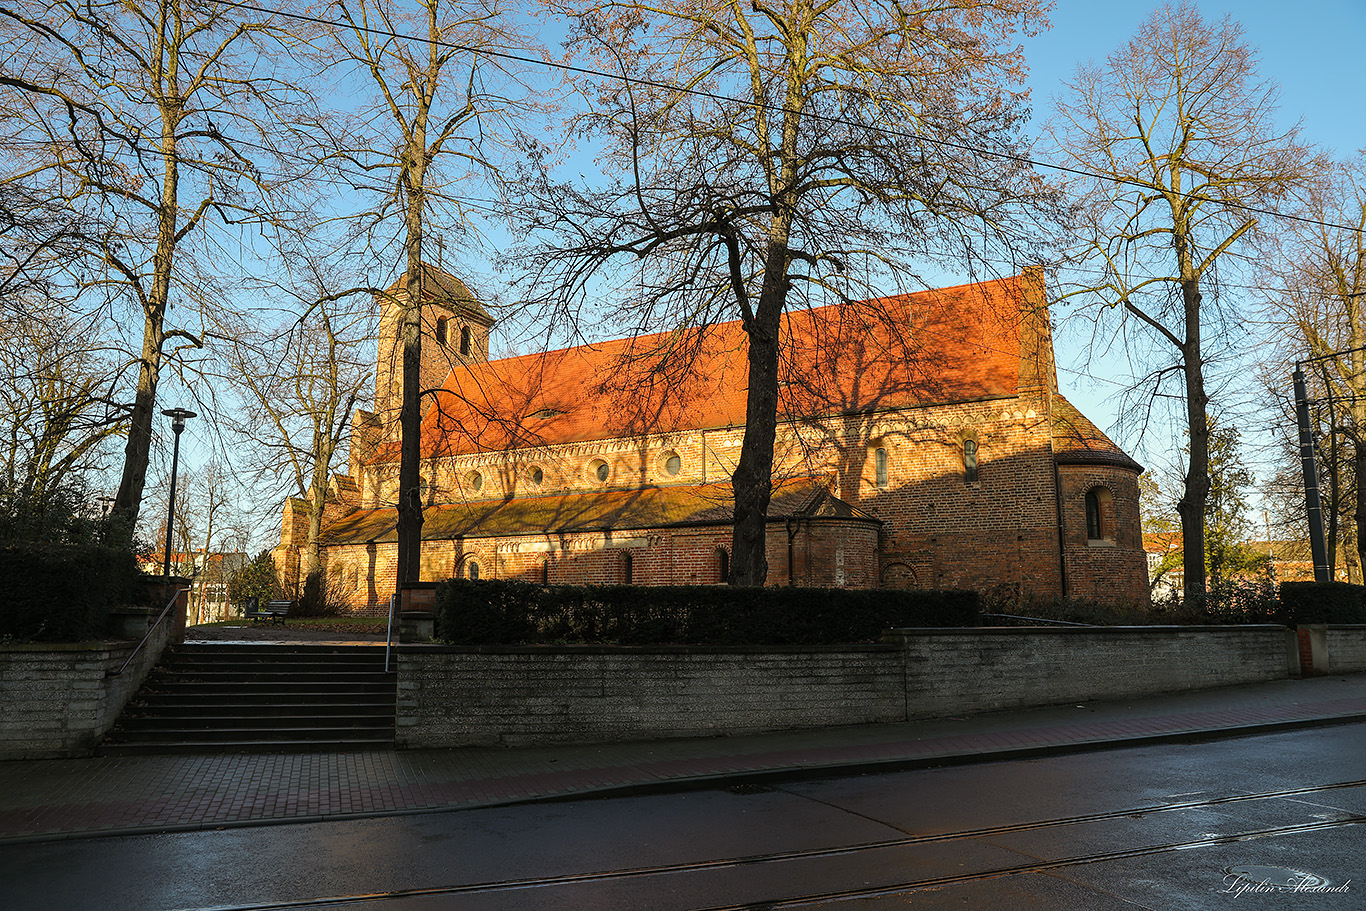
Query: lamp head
178,416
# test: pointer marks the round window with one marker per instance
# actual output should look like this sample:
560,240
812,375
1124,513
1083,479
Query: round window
599,470
536,476
474,481
672,464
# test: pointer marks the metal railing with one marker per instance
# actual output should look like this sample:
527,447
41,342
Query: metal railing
151,628
1037,620
389,636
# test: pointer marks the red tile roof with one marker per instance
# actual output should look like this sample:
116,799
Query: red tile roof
948,345
1076,441
619,510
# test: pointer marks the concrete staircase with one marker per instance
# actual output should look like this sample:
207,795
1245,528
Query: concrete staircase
207,698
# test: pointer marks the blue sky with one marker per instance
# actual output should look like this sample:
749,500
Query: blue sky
1310,48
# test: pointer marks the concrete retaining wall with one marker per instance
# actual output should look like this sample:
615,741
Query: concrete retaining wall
452,696
460,696
56,698
1335,649
951,671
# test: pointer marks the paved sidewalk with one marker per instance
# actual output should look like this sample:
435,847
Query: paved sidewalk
48,799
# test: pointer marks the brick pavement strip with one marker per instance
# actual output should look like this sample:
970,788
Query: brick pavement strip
74,797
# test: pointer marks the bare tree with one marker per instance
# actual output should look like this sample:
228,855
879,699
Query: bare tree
1321,270
778,154
1177,130
443,110
57,412
150,117
298,386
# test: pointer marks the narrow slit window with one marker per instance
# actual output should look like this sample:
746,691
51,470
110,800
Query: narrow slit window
441,332
880,461
1094,530
464,339
970,461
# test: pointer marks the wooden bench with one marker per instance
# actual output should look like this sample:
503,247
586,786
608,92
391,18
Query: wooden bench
273,612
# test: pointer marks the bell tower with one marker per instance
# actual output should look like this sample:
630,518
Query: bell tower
455,332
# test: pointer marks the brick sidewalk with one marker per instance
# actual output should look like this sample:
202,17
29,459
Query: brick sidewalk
130,794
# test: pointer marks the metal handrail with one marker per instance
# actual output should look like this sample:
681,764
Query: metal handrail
389,635
150,629
1038,620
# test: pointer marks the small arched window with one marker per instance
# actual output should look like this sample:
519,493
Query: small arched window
970,461
627,566
464,339
1100,515
722,565
441,331
472,570
880,463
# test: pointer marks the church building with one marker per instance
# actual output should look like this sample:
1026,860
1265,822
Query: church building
922,443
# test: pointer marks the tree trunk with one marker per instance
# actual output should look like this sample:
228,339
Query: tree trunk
752,481
410,417
1191,507
1359,474
128,501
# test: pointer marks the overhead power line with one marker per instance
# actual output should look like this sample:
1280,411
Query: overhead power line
775,108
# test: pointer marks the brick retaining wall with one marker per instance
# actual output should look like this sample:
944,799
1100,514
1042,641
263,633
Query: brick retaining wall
451,696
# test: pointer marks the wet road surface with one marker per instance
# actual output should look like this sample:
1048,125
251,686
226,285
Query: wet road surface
1273,821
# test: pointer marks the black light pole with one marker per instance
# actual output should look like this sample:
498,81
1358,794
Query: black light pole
177,416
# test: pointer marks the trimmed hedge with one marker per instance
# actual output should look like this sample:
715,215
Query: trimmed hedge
62,593
498,612
1323,602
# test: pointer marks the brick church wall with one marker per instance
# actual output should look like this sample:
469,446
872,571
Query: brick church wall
827,553
997,532
1114,566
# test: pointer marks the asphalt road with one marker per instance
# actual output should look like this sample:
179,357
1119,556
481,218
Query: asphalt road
1271,821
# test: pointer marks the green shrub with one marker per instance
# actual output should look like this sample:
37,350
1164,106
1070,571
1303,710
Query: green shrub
501,612
63,592
1323,602
258,579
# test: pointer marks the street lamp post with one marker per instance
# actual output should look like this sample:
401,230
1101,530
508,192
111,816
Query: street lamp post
177,416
